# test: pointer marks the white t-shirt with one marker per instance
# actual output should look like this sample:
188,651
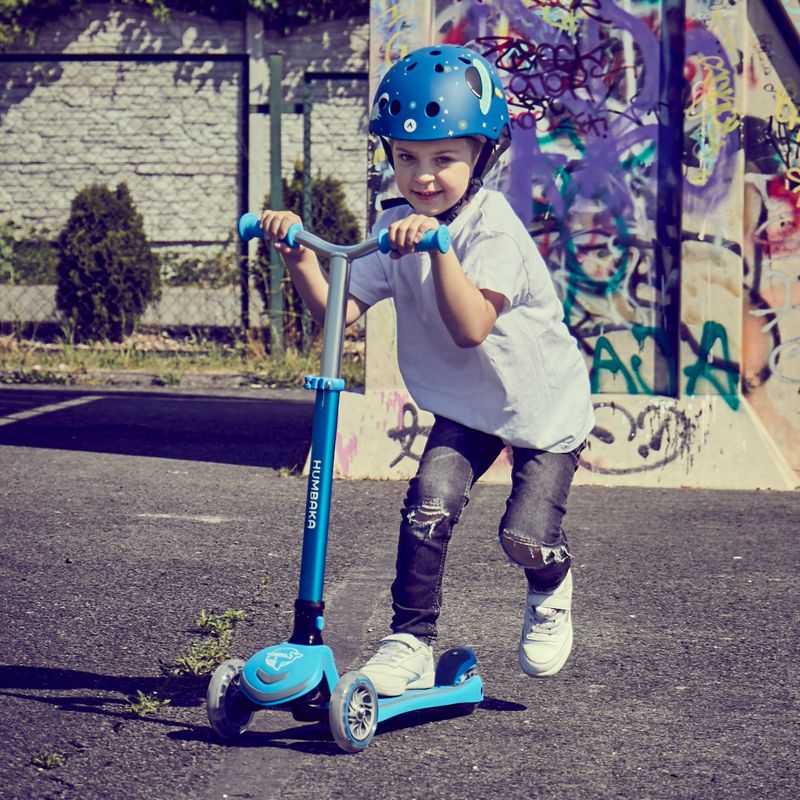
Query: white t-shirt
526,382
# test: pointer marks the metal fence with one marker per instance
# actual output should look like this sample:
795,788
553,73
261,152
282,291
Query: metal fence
174,130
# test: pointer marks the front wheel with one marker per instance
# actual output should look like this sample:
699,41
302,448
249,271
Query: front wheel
353,712
229,712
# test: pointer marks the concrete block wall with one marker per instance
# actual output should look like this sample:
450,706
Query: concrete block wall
173,129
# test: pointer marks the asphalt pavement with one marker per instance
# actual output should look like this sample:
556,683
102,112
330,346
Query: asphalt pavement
127,513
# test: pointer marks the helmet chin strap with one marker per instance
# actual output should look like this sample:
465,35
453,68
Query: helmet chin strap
487,158
446,217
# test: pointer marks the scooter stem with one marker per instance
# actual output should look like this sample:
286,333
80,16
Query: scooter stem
309,607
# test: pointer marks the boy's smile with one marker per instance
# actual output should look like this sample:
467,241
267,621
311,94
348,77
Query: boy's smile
433,175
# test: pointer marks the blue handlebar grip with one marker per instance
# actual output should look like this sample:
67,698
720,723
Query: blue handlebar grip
249,227
432,240
291,233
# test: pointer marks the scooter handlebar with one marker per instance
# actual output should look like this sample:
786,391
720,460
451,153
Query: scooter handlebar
249,227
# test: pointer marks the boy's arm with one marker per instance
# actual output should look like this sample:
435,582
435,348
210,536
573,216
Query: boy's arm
469,313
304,269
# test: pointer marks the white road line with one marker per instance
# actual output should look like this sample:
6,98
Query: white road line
49,409
211,519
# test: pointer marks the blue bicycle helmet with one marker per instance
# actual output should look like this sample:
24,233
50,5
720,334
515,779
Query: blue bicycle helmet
439,92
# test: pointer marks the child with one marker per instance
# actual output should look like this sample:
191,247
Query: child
481,344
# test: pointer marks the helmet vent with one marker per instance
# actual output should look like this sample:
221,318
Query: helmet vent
411,66
435,52
383,102
432,109
394,108
439,67
473,79
465,59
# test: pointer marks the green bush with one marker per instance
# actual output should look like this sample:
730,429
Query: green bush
331,219
27,256
219,269
107,272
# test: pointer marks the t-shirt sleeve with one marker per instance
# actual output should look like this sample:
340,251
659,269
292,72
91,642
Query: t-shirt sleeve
368,279
495,262
370,275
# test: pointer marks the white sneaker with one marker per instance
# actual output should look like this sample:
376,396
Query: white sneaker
546,640
402,662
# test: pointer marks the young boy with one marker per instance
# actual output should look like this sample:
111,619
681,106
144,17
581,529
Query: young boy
481,344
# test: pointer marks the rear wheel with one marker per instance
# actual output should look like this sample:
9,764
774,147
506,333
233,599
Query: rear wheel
353,712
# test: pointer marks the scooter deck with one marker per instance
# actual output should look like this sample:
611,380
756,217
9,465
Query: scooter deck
280,674
469,692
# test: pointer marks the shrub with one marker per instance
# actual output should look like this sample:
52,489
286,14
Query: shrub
27,257
107,272
218,269
331,219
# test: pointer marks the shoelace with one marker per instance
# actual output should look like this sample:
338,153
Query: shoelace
390,652
545,621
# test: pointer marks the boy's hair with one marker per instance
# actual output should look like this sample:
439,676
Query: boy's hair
477,142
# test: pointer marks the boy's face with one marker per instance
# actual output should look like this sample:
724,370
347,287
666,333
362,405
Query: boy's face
434,175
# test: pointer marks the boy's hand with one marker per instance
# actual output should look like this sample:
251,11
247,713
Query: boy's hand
406,233
275,225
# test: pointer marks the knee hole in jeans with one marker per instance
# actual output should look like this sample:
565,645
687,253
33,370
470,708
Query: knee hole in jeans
528,553
424,517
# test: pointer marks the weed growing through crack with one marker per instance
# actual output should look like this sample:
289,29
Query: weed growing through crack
203,656
145,704
48,759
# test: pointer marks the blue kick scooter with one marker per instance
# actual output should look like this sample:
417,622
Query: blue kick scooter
300,675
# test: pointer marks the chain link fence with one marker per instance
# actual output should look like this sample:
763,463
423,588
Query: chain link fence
327,186
173,130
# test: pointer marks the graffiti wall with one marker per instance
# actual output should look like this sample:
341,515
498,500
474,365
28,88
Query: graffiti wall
771,230
654,161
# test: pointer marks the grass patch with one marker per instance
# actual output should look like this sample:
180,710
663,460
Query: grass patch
48,759
167,359
203,656
143,705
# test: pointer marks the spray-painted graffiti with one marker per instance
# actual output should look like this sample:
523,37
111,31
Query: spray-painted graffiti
621,443
712,115
771,310
626,167
582,81
407,434
786,300
706,368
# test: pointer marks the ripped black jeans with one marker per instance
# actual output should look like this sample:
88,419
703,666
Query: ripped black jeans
530,531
